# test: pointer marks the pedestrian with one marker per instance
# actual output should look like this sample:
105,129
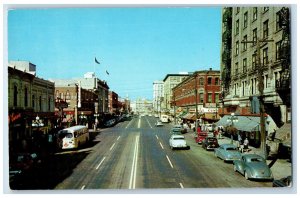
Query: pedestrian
239,139
246,143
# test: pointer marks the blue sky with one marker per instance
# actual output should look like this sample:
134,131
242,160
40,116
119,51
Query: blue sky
135,45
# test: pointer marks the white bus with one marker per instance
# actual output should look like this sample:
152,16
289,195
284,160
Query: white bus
164,118
73,137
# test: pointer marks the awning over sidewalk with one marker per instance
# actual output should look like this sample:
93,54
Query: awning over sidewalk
188,116
245,123
182,114
284,134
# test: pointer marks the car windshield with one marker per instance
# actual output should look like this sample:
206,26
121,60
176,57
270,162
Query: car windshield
256,160
212,140
231,149
68,135
178,138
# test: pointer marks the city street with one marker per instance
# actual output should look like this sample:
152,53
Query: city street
135,155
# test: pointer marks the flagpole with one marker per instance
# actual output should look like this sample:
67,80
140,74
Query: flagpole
94,66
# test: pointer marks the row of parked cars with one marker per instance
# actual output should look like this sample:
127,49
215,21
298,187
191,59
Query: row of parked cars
251,166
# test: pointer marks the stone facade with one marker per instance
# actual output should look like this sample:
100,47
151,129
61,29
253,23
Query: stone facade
240,78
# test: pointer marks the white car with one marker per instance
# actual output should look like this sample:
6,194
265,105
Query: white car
159,123
178,141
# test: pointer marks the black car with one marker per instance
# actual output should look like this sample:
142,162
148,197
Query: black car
210,143
283,182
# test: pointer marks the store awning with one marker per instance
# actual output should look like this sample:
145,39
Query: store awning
284,134
187,116
182,114
243,123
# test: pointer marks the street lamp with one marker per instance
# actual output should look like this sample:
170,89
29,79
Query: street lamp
96,116
232,119
37,122
196,104
78,99
82,116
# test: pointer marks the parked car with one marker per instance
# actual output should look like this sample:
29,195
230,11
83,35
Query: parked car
159,123
110,123
253,166
21,163
181,128
210,143
201,135
209,127
178,141
228,152
283,182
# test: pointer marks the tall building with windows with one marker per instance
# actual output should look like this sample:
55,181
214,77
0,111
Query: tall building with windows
30,105
158,92
170,81
202,91
246,33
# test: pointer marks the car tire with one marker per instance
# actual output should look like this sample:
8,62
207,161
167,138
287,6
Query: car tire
246,175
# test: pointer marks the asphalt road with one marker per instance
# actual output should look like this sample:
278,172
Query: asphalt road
135,155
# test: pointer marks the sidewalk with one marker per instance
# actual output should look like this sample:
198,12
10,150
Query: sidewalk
281,168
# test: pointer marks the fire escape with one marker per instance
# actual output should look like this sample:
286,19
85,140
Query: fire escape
283,86
226,54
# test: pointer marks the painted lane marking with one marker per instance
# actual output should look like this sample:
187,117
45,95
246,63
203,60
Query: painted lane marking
134,164
149,123
118,138
156,136
181,185
169,161
128,124
112,146
161,145
139,124
100,163
82,187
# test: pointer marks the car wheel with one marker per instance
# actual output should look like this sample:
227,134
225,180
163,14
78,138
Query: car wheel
246,175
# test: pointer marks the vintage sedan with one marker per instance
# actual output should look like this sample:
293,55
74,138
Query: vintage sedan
253,166
180,127
159,123
228,152
210,143
178,141
283,182
175,131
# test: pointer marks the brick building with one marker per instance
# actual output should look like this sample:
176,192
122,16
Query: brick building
201,89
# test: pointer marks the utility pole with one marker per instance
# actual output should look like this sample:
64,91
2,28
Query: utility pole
196,104
259,69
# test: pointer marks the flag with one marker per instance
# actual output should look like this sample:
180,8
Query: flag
96,61
107,72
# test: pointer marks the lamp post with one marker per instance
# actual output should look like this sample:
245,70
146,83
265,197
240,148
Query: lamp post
96,116
174,107
196,104
82,116
232,119
78,99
